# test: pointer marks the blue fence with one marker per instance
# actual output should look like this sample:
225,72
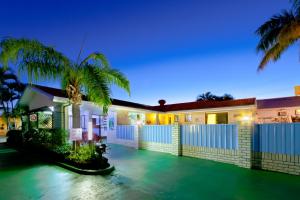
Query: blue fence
277,138
212,136
125,132
157,133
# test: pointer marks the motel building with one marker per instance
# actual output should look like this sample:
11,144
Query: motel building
249,133
50,108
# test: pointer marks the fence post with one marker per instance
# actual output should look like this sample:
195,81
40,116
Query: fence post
137,134
112,136
245,144
176,146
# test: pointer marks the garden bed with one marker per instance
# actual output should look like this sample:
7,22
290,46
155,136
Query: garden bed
98,166
86,159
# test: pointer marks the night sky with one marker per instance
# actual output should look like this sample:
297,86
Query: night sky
170,49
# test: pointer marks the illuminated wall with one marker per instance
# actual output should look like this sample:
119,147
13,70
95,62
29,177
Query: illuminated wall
165,119
196,117
200,117
3,125
151,118
159,118
122,117
271,115
125,117
239,115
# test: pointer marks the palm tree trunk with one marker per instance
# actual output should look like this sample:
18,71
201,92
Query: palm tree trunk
76,115
12,106
76,121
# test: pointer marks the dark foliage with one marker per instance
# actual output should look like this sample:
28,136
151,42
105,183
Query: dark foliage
15,138
208,96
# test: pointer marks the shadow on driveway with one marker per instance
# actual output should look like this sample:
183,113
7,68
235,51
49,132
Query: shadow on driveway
12,159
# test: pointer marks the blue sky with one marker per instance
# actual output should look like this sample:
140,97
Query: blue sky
170,49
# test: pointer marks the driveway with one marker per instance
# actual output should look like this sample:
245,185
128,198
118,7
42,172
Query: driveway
142,175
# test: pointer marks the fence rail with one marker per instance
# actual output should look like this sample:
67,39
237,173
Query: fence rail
212,136
125,132
277,138
157,133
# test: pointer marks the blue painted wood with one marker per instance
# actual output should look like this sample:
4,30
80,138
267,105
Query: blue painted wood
125,132
214,136
157,133
277,138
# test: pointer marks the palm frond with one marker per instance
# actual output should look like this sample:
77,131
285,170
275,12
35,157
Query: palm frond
99,58
296,7
270,30
38,60
289,32
116,77
96,86
273,54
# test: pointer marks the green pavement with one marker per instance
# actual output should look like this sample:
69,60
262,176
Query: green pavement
142,175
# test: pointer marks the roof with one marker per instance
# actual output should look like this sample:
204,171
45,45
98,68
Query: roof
207,104
118,102
279,102
163,108
53,91
62,93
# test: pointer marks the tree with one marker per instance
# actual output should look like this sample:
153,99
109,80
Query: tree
10,92
278,33
208,96
226,97
91,76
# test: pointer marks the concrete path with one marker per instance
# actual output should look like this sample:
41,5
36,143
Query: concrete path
141,175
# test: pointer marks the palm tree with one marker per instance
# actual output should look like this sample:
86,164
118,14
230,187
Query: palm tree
10,91
208,96
226,97
91,76
278,33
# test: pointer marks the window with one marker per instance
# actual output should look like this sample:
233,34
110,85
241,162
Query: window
188,118
83,121
170,120
176,118
216,118
44,119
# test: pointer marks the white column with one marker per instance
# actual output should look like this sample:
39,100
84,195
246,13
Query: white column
90,126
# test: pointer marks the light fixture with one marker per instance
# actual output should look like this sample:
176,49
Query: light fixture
47,112
246,118
51,108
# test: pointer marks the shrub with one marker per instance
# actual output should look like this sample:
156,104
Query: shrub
59,136
44,136
83,155
33,136
63,150
14,137
48,137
